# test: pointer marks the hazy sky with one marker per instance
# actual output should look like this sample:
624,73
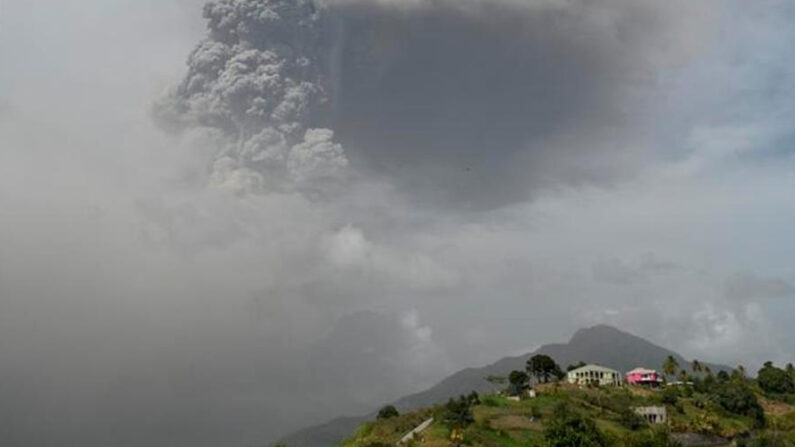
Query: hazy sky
333,205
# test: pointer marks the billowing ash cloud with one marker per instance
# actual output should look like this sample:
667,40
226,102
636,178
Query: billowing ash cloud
260,78
474,104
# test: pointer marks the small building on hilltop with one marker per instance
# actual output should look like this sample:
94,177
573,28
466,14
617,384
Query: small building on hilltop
653,415
644,377
594,375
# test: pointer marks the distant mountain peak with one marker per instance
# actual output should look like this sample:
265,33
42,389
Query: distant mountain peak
602,331
599,330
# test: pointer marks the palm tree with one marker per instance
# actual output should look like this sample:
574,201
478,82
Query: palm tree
670,366
708,370
696,366
738,375
683,376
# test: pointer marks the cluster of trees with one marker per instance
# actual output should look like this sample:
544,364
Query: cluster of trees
730,391
568,428
387,412
775,380
771,379
458,412
738,398
541,367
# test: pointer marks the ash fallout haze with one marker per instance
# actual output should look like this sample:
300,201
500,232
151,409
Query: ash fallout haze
222,222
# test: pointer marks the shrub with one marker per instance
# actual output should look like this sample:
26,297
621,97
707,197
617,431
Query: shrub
657,438
387,412
473,398
687,391
766,440
775,380
670,395
457,413
569,429
492,401
739,399
631,420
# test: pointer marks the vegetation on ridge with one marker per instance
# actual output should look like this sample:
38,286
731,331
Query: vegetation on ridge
741,411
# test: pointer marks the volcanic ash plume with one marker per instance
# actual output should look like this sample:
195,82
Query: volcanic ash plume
458,104
259,80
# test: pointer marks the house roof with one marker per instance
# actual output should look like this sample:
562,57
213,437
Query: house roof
642,371
592,367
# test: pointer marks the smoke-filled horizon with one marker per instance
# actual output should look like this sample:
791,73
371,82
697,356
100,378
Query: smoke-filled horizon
220,223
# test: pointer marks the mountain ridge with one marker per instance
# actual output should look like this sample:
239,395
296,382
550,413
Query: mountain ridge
602,344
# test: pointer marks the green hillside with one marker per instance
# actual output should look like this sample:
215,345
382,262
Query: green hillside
567,415
604,345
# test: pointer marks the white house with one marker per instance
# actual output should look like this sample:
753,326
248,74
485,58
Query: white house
594,375
654,415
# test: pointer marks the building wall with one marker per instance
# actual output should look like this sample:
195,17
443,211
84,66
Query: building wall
596,376
643,378
654,415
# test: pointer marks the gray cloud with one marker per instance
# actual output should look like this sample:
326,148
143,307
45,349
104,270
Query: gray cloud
473,104
619,272
743,287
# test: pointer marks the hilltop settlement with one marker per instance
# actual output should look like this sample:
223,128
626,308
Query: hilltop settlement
590,405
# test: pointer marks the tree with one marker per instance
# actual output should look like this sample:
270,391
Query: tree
518,382
543,368
670,395
570,429
388,411
738,398
696,366
457,413
683,376
791,370
518,378
708,384
775,380
670,365
473,398
738,375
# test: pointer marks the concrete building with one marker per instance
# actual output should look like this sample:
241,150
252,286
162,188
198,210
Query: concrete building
594,375
644,377
654,415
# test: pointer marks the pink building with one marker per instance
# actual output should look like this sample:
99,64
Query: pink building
642,376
